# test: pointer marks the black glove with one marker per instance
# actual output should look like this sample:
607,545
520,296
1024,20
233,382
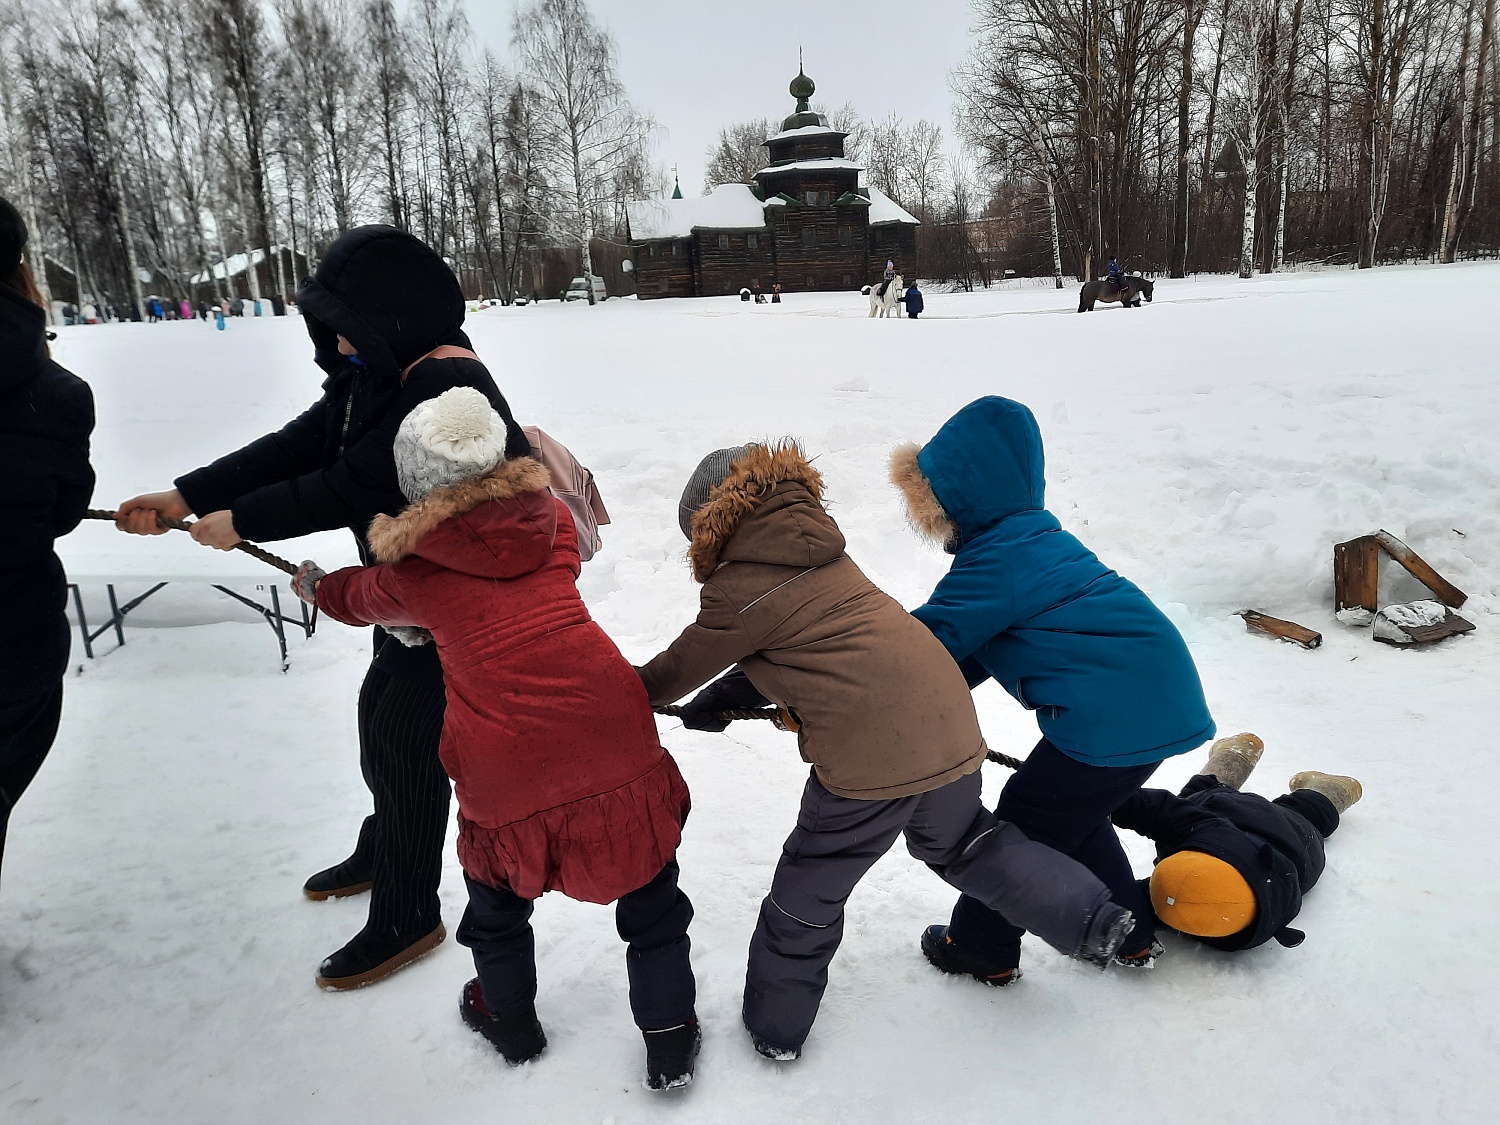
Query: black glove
728,693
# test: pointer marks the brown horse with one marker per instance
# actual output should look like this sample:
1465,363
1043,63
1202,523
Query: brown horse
1130,296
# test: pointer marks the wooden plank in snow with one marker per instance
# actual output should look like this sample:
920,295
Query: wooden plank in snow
1417,567
1257,622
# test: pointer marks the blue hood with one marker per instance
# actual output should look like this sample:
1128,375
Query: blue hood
986,465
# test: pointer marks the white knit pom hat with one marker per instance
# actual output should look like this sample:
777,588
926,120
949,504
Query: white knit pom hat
447,439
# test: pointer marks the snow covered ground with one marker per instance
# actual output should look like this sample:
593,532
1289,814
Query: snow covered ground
156,956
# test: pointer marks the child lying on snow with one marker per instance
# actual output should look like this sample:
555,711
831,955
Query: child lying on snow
1232,867
885,719
1109,677
562,782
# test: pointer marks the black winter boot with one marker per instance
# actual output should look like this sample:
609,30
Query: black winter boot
670,1052
768,1050
947,957
351,877
371,957
1145,959
518,1038
1104,935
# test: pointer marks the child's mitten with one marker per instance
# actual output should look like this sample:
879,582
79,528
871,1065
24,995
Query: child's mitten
728,693
412,636
305,584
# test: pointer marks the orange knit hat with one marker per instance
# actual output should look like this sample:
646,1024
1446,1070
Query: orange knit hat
1196,894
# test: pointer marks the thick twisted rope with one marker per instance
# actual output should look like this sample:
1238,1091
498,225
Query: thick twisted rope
183,525
775,716
772,714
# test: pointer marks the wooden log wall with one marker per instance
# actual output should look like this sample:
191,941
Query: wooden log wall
815,146
721,269
659,272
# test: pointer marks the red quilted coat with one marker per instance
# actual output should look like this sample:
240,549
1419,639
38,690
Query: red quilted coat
562,782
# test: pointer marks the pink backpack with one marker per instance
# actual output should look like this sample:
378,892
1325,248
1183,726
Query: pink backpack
572,483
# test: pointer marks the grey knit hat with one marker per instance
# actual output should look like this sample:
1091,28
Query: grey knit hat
709,474
446,439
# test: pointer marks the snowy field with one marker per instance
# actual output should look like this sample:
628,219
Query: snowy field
156,954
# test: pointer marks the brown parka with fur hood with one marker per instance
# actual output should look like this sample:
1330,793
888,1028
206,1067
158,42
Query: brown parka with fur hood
884,710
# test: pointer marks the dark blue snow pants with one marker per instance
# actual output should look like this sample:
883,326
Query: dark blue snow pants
1059,801
653,920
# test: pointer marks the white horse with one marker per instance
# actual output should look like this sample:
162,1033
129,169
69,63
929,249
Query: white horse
882,306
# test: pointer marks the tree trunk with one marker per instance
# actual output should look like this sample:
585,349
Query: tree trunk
1056,244
1247,223
1213,100
1192,12
1465,199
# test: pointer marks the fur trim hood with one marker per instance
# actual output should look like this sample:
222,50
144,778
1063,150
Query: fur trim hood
923,511
762,483
983,467
393,538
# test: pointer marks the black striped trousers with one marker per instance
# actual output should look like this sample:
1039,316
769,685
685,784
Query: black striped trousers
401,706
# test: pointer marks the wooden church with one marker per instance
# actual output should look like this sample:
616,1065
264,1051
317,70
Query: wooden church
805,223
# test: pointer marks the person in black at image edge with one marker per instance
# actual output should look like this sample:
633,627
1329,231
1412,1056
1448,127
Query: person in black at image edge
46,416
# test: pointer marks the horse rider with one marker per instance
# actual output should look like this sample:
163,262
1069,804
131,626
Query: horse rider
888,277
1116,276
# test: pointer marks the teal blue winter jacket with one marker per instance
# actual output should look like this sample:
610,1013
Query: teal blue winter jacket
1109,677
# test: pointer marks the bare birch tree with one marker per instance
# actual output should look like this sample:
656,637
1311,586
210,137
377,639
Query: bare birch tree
590,127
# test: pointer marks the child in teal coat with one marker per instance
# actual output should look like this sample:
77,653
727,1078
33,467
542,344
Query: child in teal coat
1112,683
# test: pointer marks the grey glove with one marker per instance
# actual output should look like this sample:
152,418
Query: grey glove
305,584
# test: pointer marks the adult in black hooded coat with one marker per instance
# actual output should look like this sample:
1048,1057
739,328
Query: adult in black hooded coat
46,416
380,302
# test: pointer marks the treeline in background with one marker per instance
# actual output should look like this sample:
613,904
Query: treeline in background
149,143
156,146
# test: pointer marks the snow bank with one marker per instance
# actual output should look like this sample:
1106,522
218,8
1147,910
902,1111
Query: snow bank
156,957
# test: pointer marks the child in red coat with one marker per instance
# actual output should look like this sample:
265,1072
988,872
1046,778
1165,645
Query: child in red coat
561,780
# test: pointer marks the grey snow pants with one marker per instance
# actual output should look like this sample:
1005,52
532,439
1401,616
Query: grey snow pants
838,839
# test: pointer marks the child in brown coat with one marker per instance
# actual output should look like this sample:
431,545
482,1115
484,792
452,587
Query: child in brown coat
885,719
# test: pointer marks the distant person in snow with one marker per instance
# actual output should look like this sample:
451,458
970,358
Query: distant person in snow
914,302
46,416
1231,867
887,277
566,785
381,302
1110,679
883,716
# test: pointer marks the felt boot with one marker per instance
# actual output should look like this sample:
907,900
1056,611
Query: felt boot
351,877
1231,759
670,1053
370,957
1340,790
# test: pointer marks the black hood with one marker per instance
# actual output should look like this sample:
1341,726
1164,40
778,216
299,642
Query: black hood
1270,871
23,340
389,294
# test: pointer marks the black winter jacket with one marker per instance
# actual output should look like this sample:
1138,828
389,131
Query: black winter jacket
395,300
46,416
1279,857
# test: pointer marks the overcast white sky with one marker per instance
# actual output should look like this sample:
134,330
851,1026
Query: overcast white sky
697,65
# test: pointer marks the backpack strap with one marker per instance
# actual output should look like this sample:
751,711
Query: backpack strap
442,351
